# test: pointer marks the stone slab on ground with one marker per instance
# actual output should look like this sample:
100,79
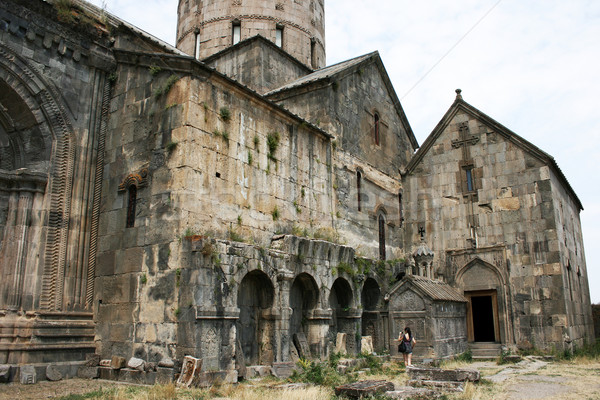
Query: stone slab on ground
449,386
53,374
364,388
283,369
438,374
411,393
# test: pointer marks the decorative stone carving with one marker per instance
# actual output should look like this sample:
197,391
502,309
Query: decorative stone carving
139,179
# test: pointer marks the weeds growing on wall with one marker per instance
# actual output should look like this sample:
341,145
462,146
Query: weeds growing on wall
272,144
225,114
166,87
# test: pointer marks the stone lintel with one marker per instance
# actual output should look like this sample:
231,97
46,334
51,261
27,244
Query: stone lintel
213,313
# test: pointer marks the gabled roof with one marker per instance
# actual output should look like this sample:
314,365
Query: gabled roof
433,289
345,67
461,105
250,41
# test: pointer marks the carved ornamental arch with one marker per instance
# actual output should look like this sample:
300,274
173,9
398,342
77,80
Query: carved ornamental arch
43,101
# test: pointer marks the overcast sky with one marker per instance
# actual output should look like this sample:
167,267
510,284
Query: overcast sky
531,65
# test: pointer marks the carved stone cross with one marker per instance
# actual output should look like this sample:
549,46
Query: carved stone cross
465,139
422,232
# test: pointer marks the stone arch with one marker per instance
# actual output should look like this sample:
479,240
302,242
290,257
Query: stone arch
484,287
304,297
469,275
57,135
340,301
255,298
370,297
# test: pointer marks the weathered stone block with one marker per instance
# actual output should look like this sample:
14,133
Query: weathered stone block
4,373
438,374
117,362
366,345
86,372
136,363
132,376
189,371
92,360
364,389
27,374
282,369
258,370
340,343
213,378
53,374
164,375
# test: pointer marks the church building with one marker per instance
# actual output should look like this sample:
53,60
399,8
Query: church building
235,199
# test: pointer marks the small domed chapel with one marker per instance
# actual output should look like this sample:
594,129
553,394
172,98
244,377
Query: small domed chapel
236,199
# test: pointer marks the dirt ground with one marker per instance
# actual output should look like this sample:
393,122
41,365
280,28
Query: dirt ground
530,379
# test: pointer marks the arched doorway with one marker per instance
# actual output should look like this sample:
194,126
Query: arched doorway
340,301
304,297
255,295
370,296
482,285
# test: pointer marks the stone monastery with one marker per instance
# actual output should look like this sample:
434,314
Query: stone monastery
235,199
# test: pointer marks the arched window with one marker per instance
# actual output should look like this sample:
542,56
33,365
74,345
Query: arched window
131,206
236,32
197,44
358,183
279,36
381,220
376,128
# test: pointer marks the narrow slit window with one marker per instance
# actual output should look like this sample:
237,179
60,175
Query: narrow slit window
197,47
376,128
381,221
236,32
358,184
400,210
470,185
313,54
279,36
132,199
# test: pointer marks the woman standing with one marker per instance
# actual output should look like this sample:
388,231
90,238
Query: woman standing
407,341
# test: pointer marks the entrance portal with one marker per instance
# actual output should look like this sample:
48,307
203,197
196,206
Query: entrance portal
482,316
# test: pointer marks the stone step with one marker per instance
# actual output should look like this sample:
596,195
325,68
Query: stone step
485,350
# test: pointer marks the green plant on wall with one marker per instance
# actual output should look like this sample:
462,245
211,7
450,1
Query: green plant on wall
166,87
171,146
154,70
275,213
272,144
225,114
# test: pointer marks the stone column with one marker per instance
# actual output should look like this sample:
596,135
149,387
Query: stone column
282,325
17,229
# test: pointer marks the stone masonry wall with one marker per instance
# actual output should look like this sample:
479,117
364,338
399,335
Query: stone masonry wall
573,266
513,205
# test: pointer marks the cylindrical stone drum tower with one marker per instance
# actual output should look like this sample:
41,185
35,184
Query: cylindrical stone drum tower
205,27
